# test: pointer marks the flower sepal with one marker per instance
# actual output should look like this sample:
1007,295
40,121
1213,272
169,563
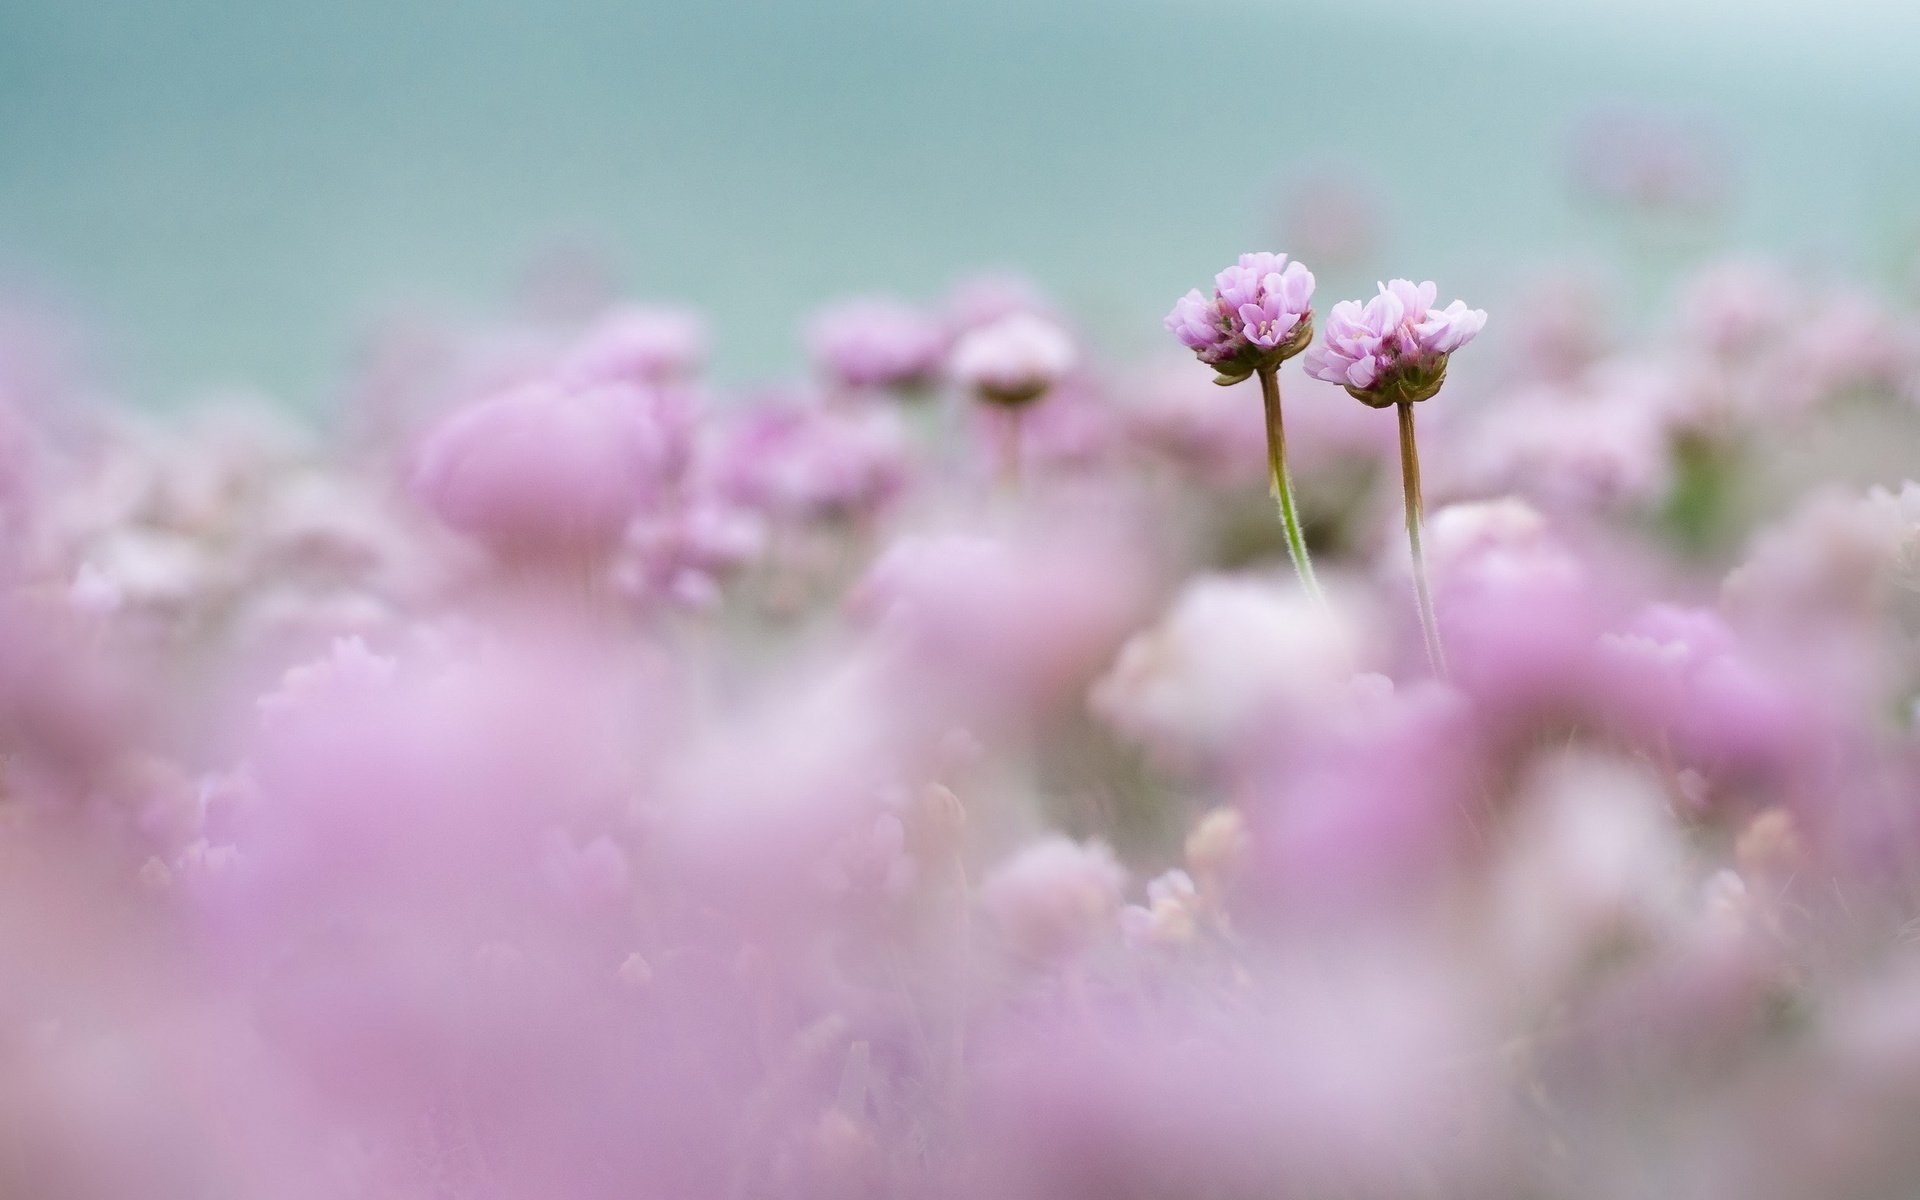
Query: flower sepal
1409,382
1254,359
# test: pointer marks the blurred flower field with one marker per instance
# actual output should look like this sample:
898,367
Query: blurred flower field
948,772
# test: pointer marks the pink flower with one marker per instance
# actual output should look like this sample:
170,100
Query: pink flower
1738,305
640,345
546,470
1233,660
1260,313
1000,628
1014,360
1395,346
876,343
1683,680
1055,897
808,462
1598,447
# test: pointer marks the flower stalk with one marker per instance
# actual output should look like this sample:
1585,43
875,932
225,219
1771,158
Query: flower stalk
1392,352
1423,591
1281,483
1259,315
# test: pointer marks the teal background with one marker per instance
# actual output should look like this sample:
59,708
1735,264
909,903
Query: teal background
228,191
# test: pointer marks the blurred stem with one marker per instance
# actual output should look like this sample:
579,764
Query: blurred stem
1699,510
1283,486
1410,486
1010,451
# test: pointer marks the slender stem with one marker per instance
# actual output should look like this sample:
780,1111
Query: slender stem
1010,432
1282,485
1410,485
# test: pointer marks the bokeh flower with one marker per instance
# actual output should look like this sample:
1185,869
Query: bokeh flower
1013,361
876,342
546,469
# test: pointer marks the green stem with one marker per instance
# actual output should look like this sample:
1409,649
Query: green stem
1282,485
1410,485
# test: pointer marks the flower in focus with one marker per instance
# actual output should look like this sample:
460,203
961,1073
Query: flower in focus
1015,360
1394,347
1260,314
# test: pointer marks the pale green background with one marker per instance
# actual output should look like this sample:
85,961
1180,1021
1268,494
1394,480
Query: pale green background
227,190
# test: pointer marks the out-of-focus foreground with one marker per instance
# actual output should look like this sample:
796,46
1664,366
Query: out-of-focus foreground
560,776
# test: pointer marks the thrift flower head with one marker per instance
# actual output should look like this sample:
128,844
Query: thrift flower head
1233,659
876,343
1015,360
804,462
1260,314
1395,346
639,345
545,469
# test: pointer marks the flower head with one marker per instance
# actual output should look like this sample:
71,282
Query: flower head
1260,314
1395,346
545,468
641,345
1014,360
876,343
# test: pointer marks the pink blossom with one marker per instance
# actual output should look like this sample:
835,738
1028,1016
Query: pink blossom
639,345
1650,160
1002,628
1260,312
1602,448
1015,360
546,470
1235,663
809,462
1683,679
876,342
985,298
1395,346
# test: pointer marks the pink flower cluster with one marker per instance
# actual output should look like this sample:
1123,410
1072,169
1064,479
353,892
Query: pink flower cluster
1260,312
1395,346
1015,359
579,777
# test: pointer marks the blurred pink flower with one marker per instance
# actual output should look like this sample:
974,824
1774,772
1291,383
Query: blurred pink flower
802,461
876,342
1054,898
1235,666
546,470
1015,360
638,345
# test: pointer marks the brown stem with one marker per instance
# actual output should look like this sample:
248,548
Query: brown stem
1423,593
